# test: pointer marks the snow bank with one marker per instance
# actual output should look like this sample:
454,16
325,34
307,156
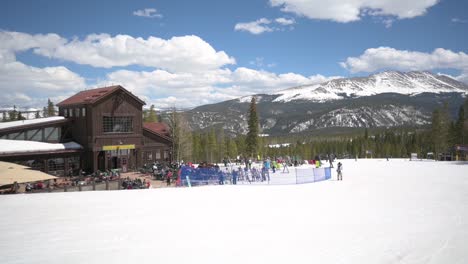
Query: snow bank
22,146
382,212
29,122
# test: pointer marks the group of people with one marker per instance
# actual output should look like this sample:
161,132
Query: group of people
137,183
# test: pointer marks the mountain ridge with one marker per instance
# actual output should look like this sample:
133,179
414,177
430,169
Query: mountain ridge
385,99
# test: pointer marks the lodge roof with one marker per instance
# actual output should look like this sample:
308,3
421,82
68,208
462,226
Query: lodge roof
94,95
159,129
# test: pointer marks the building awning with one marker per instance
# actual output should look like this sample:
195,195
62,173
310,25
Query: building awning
11,173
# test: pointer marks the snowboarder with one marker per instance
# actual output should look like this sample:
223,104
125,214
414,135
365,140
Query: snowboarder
339,170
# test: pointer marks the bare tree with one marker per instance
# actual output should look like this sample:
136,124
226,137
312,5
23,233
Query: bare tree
181,136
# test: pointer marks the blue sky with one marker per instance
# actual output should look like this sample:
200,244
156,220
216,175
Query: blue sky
219,50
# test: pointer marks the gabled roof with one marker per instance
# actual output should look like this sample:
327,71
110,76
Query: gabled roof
94,95
158,127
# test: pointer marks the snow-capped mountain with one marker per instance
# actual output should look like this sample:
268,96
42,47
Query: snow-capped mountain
410,83
384,99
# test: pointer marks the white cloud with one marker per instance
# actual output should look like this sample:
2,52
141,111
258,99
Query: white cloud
190,89
459,20
147,12
259,62
389,58
21,84
284,21
186,53
263,25
463,77
352,10
256,27
173,76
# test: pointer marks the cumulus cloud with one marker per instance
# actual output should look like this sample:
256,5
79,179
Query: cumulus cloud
24,84
284,21
212,86
147,12
389,58
256,27
352,10
186,53
263,25
186,72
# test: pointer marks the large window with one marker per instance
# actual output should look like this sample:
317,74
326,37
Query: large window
117,124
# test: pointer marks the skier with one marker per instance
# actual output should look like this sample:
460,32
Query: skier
330,159
339,170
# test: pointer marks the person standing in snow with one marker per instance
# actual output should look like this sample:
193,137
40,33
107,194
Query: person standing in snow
168,178
330,159
339,170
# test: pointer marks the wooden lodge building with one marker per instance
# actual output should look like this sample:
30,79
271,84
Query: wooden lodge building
96,129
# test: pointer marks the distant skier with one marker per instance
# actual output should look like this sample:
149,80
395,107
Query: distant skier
330,159
339,170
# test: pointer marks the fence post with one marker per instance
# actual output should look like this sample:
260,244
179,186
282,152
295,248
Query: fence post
94,185
107,185
65,189
79,187
295,171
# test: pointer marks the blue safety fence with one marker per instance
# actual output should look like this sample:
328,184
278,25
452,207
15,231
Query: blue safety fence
312,175
189,176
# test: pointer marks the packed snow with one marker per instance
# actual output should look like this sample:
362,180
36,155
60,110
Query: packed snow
22,146
29,122
395,211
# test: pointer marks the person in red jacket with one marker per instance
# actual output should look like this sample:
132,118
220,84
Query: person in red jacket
168,177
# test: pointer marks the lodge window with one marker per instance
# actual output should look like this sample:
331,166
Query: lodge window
71,112
65,112
77,112
83,112
117,124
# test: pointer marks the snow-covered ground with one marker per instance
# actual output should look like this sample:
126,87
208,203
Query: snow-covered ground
398,211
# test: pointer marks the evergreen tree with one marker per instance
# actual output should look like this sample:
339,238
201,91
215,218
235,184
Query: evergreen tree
151,115
439,130
50,108
4,118
459,126
252,134
232,148
44,112
20,116
197,150
212,146
13,114
221,145
37,115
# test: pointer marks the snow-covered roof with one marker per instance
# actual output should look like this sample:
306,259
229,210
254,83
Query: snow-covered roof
29,122
8,146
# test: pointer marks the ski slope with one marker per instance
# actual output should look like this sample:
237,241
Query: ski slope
395,211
